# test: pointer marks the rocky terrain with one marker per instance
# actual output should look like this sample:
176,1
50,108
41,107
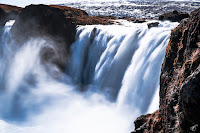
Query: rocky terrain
179,83
180,77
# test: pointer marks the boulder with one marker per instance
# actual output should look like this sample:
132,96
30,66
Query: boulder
174,16
142,20
179,82
154,24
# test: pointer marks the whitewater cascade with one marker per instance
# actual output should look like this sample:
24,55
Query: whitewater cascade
111,78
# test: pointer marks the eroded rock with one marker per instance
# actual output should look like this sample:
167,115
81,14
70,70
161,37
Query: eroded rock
179,82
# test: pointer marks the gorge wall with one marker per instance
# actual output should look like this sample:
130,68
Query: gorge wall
179,83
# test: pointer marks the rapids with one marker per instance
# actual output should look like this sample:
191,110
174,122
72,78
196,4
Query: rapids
111,78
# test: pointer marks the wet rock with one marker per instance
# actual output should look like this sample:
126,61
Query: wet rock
174,16
154,24
142,20
147,123
134,20
179,82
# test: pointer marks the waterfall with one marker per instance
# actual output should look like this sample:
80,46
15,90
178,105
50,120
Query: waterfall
111,78
123,62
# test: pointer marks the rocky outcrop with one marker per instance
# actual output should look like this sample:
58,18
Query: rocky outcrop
174,16
179,83
8,12
153,24
56,24
49,23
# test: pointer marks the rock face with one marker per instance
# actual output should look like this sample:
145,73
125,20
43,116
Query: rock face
174,16
179,83
50,23
8,12
56,24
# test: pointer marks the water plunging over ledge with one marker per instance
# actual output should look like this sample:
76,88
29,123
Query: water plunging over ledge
111,78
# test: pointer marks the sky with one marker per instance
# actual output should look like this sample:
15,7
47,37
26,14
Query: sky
23,3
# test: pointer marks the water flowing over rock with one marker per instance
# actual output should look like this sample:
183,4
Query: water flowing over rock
179,83
46,22
94,77
111,67
8,12
55,23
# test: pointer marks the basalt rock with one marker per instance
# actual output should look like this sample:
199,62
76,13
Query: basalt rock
179,83
174,16
8,12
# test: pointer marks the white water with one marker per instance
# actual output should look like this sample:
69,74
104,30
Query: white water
116,68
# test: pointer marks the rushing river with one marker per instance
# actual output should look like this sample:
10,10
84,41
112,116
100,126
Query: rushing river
111,78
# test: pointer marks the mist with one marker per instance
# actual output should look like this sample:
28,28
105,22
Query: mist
104,89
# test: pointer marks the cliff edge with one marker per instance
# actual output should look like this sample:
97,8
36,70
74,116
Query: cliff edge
179,83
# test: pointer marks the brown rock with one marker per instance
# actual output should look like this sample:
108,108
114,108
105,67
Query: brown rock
179,82
147,123
174,16
8,12
80,17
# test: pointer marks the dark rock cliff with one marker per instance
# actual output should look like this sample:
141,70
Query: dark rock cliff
179,83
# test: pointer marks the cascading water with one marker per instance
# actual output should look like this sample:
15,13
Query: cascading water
112,77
